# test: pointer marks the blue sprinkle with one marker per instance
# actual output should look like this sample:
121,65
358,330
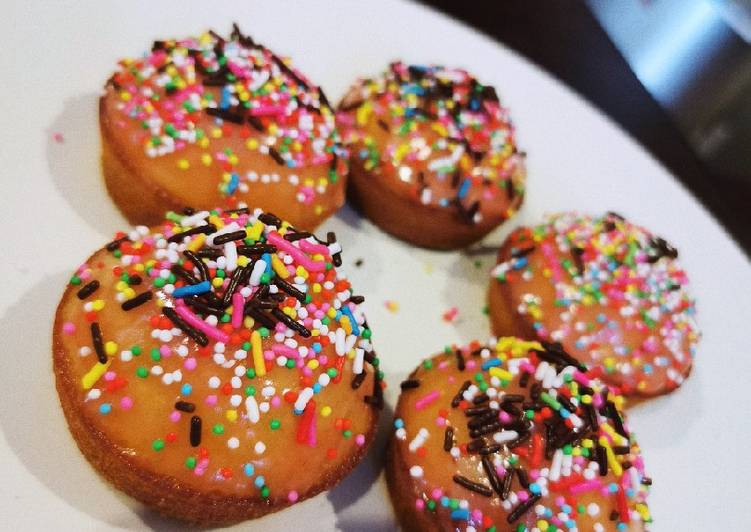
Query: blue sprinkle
259,481
460,513
399,423
519,263
267,259
192,290
234,182
363,154
535,488
249,470
186,389
316,388
352,320
105,408
317,347
490,363
602,318
464,188
445,501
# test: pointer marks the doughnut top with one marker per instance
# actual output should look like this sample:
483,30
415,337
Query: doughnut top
209,91
441,135
508,436
224,350
611,292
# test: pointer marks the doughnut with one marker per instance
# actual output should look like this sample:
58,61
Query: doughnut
607,291
208,121
433,158
217,367
508,436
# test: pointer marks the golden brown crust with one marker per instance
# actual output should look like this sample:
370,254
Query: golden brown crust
406,218
139,199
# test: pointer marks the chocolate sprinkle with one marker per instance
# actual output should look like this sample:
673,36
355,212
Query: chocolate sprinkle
88,289
199,337
410,384
291,323
490,472
137,301
184,406
448,439
358,380
459,395
270,219
96,338
277,157
473,486
201,229
195,431
229,237
115,244
522,508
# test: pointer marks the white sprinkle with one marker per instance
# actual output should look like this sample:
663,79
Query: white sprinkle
230,252
358,363
233,443
416,471
505,436
260,447
84,351
251,407
214,382
258,268
555,466
236,400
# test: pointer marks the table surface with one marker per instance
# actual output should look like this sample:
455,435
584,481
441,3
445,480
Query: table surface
564,38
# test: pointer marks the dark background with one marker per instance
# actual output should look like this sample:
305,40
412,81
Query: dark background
564,38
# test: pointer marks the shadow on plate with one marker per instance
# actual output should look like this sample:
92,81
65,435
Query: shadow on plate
32,420
364,478
74,164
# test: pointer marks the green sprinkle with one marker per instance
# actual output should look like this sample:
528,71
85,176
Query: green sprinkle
155,355
158,444
264,332
136,350
265,492
142,372
75,280
250,373
275,424
250,390
190,462
427,364
218,429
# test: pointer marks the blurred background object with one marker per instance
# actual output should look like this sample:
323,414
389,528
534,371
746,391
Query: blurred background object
676,74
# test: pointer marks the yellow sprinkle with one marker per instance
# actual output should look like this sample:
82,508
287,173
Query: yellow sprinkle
254,232
216,221
140,267
125,96
231,415
643,511
392,306
612,460
98,305
542,525
110,348
204,142
278,266
94,374
302,272
502,374
216,133
196,242
183,164
346,325
363,113
129,293
313,364
120,286
331,312
292,313
255,344
217,282
317,288
318,209
516,346
251,144
242,260
326,411
206,159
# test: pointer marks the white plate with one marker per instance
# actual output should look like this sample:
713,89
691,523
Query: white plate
54,212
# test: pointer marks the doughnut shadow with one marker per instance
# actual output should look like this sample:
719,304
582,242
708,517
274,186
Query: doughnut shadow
73,162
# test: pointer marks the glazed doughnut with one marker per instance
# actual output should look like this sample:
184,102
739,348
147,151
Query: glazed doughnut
208,121
217,367
433,155
507,436
606,291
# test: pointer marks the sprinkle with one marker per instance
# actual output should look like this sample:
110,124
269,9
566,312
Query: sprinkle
522,508
192,290
410,384
391,306
473,486
88,289
96,338
94,374
427,399
195,431
185,326
258,361
196,322
137,301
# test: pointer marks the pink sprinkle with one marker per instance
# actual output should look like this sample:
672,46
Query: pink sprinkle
360,440
69,327
211,400
126,403
451,314
437,493
58,137
419,504
292,496
164,350
238,302
210,331
281,349
190,363
276,401
440,421
109,376
584,487
174,416
306,262
309,247
427,399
